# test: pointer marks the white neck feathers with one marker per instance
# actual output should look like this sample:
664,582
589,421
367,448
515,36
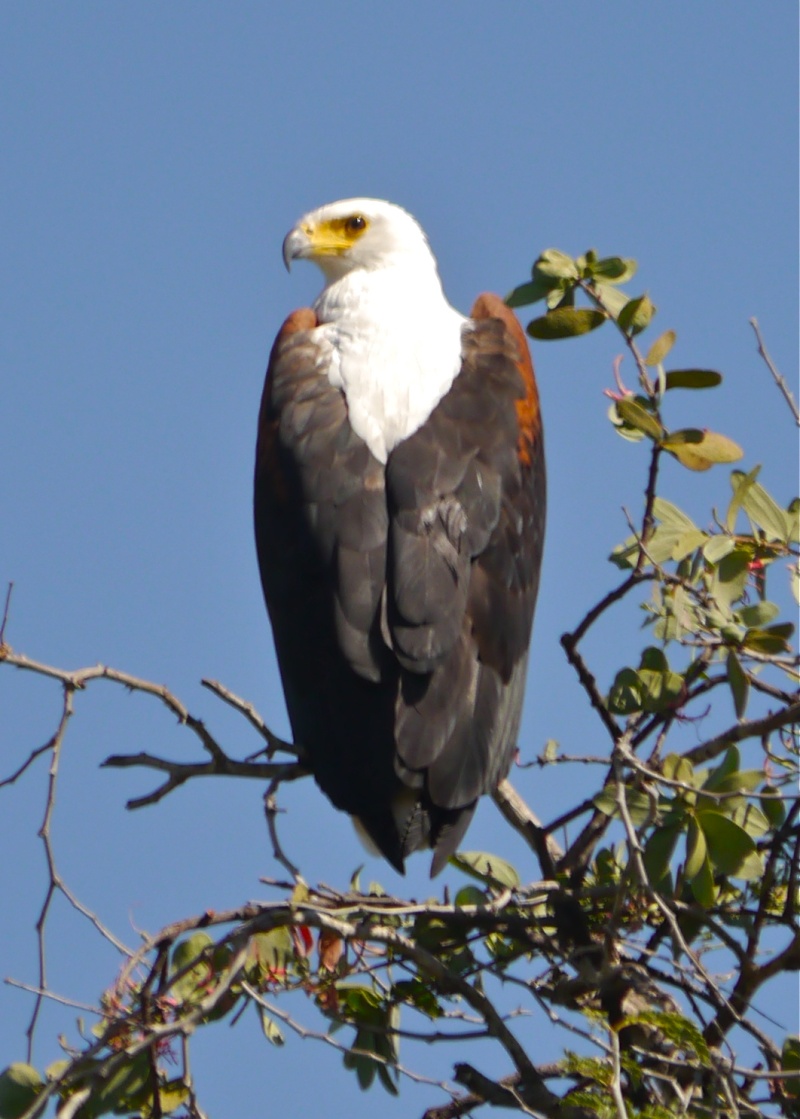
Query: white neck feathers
392,343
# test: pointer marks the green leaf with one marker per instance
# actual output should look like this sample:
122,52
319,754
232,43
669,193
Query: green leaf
681,1031
565,322
770,640
471,895
20,1084
638,803
730,848
625,554
688,543
188,950
696,851
703,886
190,953
730,764
700,450
729,578
357,1059
663,542
660,348
636,315
677,768
765,512
654,659
361,1003
790,1062
554,263
670,514
625,695
693,379
772,805
615,269
740,483
718,547
660,687
793,515
658,852
272,1031
632,434
738,683
660,690
56,1069
418,994
611,299
743,780
127,1089
759,614
606,800
639,417
269,953
560,296
385,1075
536,289
170,1097
486,868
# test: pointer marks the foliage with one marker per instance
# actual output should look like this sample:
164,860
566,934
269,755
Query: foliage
682,851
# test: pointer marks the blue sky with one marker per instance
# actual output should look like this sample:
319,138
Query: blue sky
153,158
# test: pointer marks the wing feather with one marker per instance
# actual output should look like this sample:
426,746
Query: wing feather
402,596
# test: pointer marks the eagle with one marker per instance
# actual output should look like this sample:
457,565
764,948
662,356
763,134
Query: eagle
399,518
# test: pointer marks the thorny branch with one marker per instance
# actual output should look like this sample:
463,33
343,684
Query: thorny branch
219,763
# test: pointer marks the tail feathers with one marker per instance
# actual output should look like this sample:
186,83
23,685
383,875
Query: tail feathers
449,834
414,826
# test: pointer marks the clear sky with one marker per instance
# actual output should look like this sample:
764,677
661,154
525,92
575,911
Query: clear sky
153,157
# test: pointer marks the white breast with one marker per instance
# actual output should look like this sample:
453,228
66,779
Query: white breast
392,343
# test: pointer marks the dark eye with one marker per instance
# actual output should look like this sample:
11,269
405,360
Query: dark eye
356,223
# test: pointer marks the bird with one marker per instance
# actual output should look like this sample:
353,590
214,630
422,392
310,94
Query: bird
399,508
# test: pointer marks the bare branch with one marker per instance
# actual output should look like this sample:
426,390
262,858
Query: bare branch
271,812
248,710
220,766
780,381
517,813
756,728
6,609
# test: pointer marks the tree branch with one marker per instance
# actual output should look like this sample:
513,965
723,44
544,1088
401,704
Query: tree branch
780,381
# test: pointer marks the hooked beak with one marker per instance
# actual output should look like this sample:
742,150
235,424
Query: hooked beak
296,245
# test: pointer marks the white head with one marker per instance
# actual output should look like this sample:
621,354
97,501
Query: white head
358,233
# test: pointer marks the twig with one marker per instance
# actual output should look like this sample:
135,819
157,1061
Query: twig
616,1079
52,885
569,643
254,719
6,609
315,1035
780,381
220,766
51,996
754,729
637,856
34,754
271,812
80,678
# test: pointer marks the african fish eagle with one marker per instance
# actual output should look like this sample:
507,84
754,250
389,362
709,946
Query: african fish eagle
399,519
